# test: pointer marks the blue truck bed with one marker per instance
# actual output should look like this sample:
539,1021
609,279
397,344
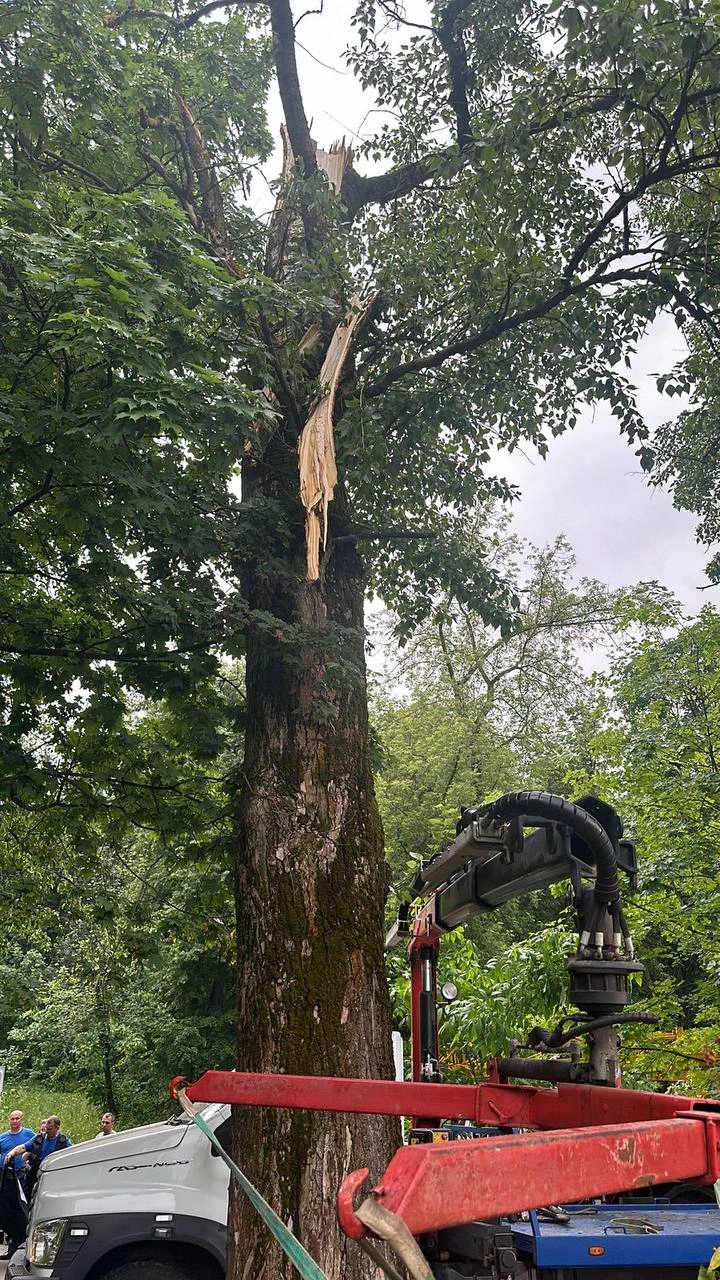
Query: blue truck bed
649,1235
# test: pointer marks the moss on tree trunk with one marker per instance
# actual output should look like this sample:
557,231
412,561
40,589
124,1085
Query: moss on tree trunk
310,884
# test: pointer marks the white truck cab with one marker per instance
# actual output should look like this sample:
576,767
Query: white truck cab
148,1202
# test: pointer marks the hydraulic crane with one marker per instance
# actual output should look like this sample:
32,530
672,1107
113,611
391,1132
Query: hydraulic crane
480,1155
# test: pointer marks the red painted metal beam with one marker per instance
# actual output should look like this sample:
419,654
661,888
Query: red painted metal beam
578,1105
603,1140
331,1093
436,1185
508,1106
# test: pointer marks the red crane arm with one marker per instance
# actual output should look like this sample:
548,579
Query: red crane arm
436,1185
597,1141
512,1106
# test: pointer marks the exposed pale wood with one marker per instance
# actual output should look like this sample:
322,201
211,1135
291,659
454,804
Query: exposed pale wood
310,339
316,446
334,163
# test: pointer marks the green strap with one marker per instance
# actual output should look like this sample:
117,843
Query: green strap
299,1257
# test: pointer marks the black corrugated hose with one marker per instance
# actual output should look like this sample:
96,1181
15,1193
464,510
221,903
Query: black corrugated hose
542,804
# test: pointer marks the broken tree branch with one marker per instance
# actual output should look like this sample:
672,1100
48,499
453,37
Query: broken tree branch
170,181
212,209
316,446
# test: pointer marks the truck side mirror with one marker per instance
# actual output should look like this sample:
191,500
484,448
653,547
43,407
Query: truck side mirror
223,1133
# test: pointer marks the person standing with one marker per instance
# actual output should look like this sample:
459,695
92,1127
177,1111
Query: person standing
107,1125
12,1211
18,1133
42,1146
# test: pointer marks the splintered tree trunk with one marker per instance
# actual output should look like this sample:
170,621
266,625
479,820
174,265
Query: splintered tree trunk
310,886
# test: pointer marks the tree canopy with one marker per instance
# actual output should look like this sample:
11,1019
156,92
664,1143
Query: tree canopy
127,378
656,759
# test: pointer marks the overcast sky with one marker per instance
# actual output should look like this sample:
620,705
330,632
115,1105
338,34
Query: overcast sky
590,487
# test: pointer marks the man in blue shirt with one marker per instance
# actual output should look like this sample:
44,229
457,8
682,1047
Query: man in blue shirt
41,1146
12,1147
53,1140
17,1135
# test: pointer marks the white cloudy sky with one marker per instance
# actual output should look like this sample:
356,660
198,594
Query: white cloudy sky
590,487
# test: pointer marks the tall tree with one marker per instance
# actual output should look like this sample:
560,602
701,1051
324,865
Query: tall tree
464,712
489,277
657,759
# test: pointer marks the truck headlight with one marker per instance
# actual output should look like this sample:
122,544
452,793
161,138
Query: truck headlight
45,1240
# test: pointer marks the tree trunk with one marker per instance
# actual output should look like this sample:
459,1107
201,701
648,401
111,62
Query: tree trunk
310,888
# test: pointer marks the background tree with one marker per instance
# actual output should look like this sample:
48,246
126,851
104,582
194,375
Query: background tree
122,996
119,952
657,761
651,749
517,238
464,711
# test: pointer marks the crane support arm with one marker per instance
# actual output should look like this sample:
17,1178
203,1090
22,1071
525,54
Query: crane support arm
437,1185
510,1106
593,1141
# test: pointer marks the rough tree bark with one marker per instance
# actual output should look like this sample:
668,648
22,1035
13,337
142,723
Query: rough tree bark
310,873
311,886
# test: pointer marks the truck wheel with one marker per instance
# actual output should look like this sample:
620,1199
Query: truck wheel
156,1269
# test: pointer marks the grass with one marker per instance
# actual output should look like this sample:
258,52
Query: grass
80,1118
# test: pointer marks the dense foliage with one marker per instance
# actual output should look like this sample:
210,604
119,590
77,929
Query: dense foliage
122,972
129,375
133,338
657,759
117,967
647,742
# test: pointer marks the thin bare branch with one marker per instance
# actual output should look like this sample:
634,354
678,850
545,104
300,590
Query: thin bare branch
59,162
171,182
32,498
212,211
308,13
395,15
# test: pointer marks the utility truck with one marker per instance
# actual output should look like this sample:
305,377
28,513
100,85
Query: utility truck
148,1202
